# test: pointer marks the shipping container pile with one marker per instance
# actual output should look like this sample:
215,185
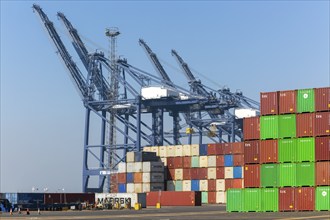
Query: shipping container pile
209,168
286,154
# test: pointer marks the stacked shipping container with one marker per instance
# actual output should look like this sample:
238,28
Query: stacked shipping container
211,169
288,154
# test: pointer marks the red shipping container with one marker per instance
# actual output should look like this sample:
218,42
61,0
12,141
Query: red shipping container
238,147
170,174
194,173
304,199
238,183
286,199
219,149
322,123
268,151
202,173
170,162
138,177
178,162
252,176
114,177
322,148
187,174
211,185
238,159
174,198
322,99
251,152
305,124
220,173
212,149
51,198
287,101
212,197
269,103
186,162
220,160
228,184
227,148
121,177
251,128
323,173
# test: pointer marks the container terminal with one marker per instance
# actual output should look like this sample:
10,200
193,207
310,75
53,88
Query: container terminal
222,148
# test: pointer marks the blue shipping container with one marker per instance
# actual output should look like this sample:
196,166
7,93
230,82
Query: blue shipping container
129,178
229,162
30,198
238,172
194,185
122,187
203,150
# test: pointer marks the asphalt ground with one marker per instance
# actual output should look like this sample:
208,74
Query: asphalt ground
168,213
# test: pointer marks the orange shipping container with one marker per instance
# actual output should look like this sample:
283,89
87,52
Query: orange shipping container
138,177
212,197
238,159
211,185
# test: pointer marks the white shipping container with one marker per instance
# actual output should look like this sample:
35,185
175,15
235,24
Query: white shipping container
178,151
157,92
130,167
130,187
149,187
147,149
186,150
170,151
220,185
152,177
130,157
229,172
155,149
212,161
221,197
170,185
195,150
203,161
203,185
186,185
163,151
212,173
122,167
164,160
121,198
152,167
178,174
245,112
138,187
137,167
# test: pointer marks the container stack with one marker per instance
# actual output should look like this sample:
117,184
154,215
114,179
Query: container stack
209,168
142,172
287,158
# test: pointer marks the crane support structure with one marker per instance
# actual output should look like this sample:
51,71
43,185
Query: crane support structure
140,115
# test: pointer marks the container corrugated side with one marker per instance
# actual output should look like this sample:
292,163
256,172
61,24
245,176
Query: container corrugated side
171,198
269,127
251,152
322,124
286,199
251,128
287,126
305,149
252,175
322,148
305,174
322,99
287,150
305,100
322,198
252,200
287,101
269,175
287,174
268,151
235,200
268,103
269,200
305,198
323,173
305,124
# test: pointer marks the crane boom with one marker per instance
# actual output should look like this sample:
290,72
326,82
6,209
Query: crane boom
75,73
154,60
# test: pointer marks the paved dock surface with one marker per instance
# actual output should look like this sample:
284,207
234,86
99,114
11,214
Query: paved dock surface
168,213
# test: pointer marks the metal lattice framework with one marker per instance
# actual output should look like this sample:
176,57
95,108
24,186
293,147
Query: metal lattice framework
141,120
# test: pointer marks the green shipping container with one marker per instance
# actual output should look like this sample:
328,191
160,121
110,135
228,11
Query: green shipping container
287,126
322,198
305,100
287,150
269,200
252,199
235,199
305,149
195,161
287,174
269,175
205,198
305,174
269,127
178,185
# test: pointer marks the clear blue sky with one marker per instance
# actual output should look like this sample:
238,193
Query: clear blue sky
253,46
